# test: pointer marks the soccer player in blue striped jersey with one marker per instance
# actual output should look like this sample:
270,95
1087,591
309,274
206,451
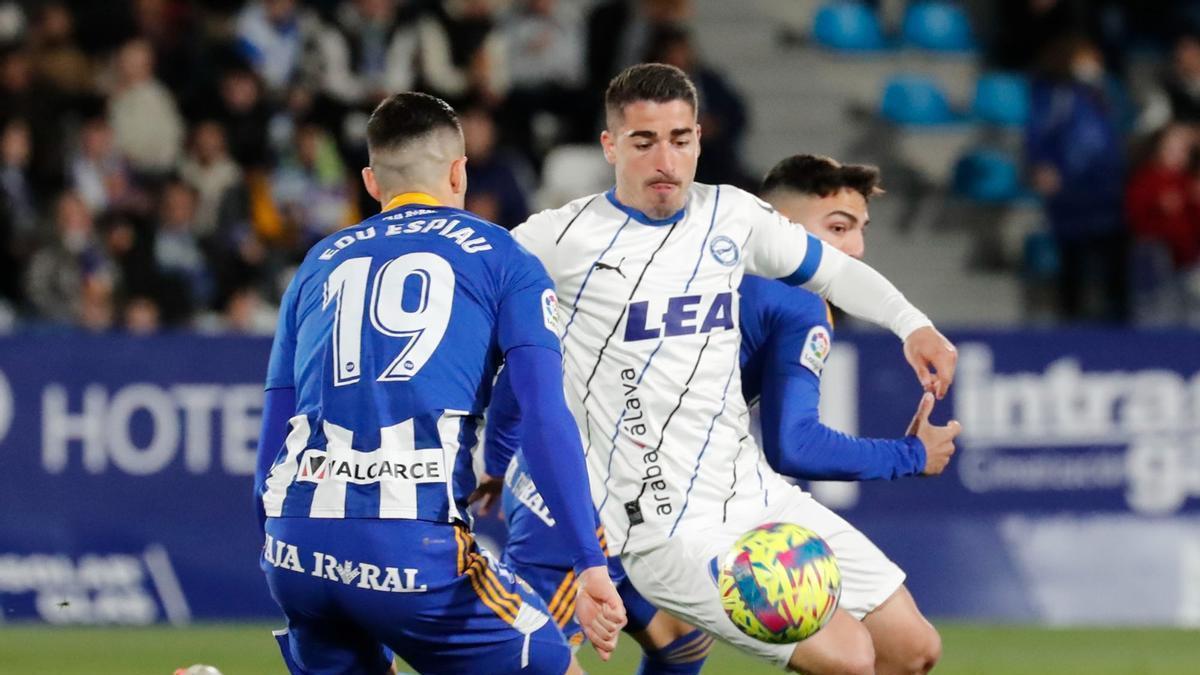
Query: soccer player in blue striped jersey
787,334
389,337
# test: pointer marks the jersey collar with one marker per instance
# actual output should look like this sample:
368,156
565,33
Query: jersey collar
411,198
641,217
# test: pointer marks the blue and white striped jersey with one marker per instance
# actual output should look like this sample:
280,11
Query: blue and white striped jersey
391,333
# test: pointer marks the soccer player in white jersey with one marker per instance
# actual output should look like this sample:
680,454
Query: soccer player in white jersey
647,276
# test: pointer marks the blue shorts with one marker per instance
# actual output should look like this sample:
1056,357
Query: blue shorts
351,586
558,587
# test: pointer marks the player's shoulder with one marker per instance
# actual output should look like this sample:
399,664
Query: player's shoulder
551,221
786,306
731,197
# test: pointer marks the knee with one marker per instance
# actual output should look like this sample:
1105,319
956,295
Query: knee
923,653
928,653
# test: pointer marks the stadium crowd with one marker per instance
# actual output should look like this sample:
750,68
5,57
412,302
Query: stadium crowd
166,163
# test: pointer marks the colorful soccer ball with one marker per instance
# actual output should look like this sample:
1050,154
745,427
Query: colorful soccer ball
780,583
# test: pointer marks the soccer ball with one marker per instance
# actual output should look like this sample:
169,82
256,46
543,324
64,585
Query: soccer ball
780,583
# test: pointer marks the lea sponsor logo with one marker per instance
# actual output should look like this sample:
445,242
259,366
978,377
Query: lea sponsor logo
681,315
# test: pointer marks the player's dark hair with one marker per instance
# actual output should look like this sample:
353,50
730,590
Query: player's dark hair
406,116
821,177
655,82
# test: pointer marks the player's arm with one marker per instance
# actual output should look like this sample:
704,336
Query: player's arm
279,403
779,249
795,441
502,438
550,439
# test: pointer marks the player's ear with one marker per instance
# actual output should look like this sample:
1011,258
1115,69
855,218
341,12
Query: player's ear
369,182
458,176
609,144
699,133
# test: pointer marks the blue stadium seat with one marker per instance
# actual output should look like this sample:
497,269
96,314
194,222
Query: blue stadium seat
1039,256
849,27
937,26
1001,99
988,176
915,99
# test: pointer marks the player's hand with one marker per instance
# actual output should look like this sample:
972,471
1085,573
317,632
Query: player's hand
933,358
599,609
487,494
938,441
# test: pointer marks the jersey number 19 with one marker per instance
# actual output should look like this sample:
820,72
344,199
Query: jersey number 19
411,298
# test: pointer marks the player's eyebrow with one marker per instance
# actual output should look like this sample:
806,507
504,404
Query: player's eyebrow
652,135
849,216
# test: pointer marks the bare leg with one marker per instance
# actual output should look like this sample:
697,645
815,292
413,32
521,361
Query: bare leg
842,647
905,642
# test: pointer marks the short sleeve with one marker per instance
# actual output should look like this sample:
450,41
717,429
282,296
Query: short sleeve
528,305
281,371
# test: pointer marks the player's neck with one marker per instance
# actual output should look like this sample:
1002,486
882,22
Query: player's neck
412,197
644,217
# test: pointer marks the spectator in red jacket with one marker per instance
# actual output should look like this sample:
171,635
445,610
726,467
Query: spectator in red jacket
1160,202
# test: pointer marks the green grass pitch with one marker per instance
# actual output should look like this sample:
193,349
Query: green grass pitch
247,649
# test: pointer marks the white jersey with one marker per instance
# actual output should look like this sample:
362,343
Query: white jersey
648,314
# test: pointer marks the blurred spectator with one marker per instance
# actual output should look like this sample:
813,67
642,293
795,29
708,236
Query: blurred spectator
99,173
141,316
71,279
496,191
171,28
148,128
276,37
245,116
1161,203
12,22
24,96
20,209
722,112
461,54
18,216
185,281
1177,96
619,33
245,313
56,56
1075,160
545,39
129,242
369,51
310,188
1022,30
210,171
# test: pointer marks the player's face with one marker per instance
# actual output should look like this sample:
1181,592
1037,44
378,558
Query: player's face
654,147
839,219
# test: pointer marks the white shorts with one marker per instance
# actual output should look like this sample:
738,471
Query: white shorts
679,575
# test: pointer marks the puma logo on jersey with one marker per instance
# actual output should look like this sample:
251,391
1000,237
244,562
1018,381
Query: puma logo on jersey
680,315
605,266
